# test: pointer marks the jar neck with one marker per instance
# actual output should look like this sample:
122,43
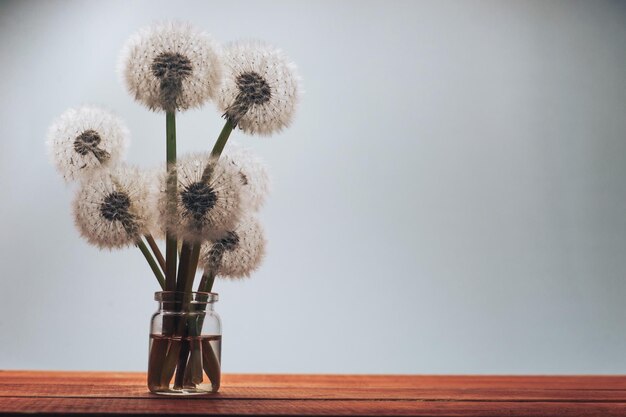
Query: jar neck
185,301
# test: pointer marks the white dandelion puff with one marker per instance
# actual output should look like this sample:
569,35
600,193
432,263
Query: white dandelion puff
84,139
253,174
112,207
238,253
205,206
171,66
154,180
260,88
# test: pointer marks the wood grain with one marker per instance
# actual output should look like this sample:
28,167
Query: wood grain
91,393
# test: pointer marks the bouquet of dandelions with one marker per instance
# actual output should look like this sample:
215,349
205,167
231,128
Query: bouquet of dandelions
202,204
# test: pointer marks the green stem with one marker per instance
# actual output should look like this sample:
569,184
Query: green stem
206,283
183,361
171,250
211,364
158,353
189,256
155,267
193,376
156,251
222,139
218,147
193,265
183,266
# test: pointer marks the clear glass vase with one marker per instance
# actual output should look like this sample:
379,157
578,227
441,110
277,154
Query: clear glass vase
185,344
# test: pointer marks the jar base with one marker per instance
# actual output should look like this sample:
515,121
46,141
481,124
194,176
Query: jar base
184,392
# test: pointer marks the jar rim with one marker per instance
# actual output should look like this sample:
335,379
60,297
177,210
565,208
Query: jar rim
193,296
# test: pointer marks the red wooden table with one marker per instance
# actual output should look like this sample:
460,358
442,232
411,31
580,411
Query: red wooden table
125,393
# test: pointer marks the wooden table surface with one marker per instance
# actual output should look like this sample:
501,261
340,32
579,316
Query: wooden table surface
98,393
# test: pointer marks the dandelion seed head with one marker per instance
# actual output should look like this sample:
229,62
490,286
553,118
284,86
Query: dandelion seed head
154,180
205,206
230,241
260,88
112,207
84,139
237,253
171,66
253,174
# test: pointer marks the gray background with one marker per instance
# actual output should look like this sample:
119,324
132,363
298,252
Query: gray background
450,199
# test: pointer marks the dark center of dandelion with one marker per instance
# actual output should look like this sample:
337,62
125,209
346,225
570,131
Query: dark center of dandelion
228,243
198,199
87,142
171,69
253,90
115,207
171,65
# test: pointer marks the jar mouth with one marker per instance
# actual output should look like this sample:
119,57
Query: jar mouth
180,296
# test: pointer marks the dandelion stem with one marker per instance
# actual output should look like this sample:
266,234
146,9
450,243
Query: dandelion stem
171,250
183,266
156,251
155,267
210,362
220,143
222,139
206,283
171,243
193,265
189,256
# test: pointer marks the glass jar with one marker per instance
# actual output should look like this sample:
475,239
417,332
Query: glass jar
185,344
